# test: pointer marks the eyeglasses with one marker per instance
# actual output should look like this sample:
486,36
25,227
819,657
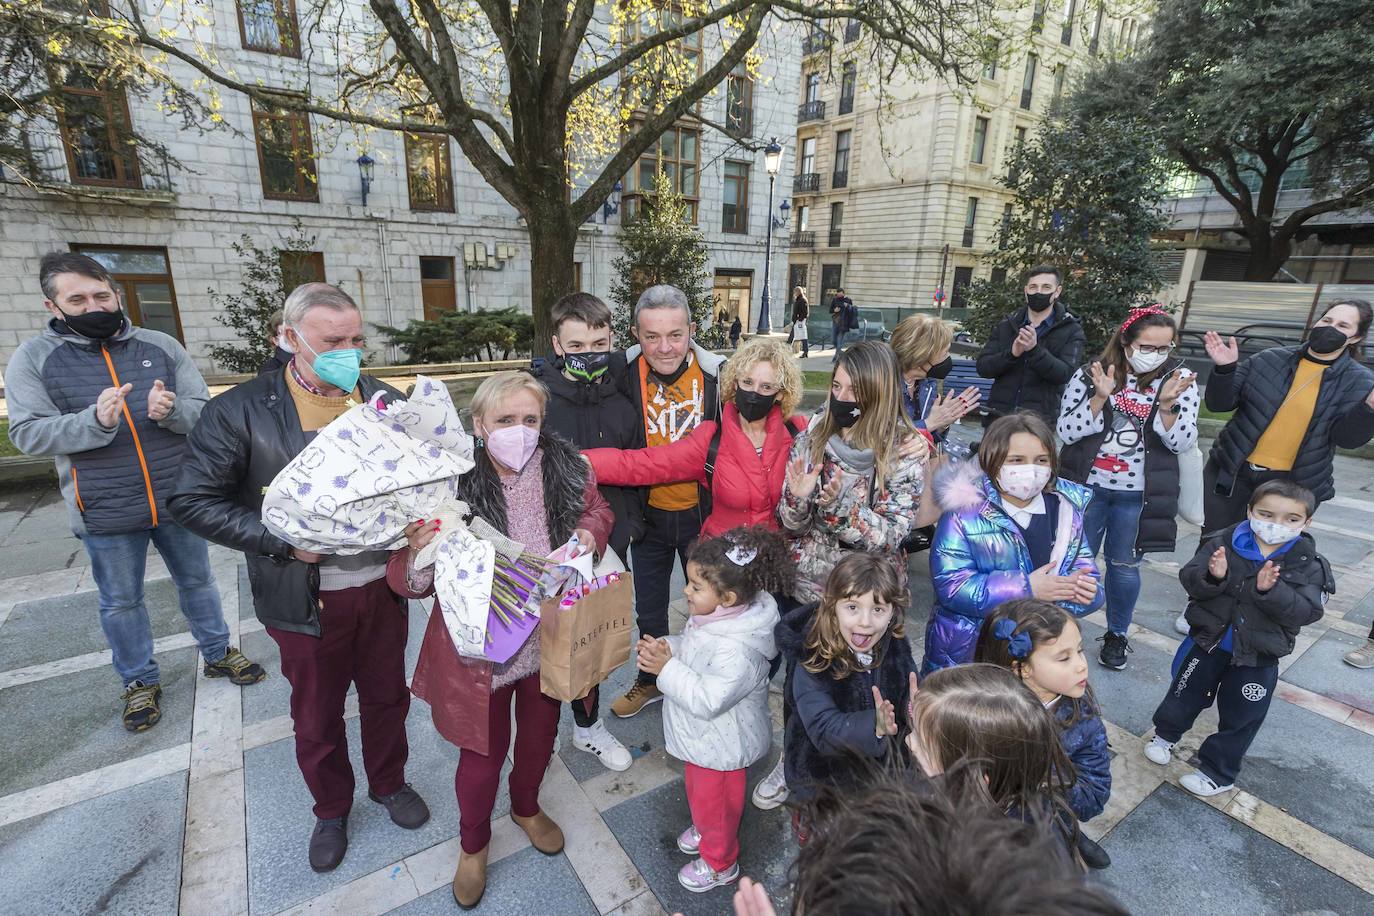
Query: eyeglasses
1153,351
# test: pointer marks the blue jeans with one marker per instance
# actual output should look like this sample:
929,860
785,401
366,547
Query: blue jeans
1114,516
836,338
118,562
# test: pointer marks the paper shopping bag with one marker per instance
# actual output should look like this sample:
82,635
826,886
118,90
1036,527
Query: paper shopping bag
580,645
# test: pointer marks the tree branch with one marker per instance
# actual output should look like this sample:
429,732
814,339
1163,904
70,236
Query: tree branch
1354,198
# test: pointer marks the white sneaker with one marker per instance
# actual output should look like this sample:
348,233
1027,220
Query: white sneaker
598,741
698,877
1160,751
1181,624
1201,785
689,841
772,789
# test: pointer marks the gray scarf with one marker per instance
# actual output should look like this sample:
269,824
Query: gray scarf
858,460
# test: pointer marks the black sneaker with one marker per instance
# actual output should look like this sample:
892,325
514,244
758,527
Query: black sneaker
238,669
328,843
1094,856
406,807
142,708
1114,649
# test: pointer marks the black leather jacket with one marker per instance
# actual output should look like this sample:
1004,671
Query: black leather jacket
244,438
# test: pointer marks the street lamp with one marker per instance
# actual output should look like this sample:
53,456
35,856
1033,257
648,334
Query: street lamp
365,164
785,209
772,161
609,209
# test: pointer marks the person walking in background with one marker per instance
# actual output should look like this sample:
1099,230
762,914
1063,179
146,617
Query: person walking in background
801,310
1126,418
673,384
112,404
589,408
843,319
1033,352
736,328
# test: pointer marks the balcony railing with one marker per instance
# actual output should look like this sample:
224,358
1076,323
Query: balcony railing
46,166
851,31
740,121
835,237
968,237
839,180
846,104
808,181
811,111
815,42
803,240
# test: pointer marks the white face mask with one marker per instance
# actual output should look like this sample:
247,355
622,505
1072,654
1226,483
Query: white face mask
1022,480
1273,533
1146,362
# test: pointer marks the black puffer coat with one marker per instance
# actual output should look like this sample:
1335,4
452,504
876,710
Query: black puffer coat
244,438
1034,380
1255,389
1158,529
1266,623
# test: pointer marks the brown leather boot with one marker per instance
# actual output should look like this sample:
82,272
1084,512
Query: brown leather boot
544,834
470,880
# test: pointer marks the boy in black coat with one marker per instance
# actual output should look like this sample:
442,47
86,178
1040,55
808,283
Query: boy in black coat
1251,588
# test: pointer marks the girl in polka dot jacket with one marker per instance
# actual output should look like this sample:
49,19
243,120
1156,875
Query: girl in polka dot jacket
1125,419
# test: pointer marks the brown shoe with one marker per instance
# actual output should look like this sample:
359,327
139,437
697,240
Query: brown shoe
635,699
470,880
544,834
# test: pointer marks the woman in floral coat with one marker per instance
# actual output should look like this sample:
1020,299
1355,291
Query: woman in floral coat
854,480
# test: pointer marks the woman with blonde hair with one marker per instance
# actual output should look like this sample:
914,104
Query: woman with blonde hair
741,460
922,345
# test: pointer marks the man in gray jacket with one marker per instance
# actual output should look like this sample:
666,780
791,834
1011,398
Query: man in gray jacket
112,404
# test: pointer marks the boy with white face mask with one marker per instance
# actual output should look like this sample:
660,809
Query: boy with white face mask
1251,588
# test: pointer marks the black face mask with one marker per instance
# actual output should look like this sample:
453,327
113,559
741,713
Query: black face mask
844,413
752,405
1325,339
1038,302
941,369
587,367
97,325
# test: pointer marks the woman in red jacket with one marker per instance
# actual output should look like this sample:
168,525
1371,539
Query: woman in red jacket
533,488
760,387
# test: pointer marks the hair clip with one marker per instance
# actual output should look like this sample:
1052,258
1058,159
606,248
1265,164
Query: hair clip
1018,644
741,555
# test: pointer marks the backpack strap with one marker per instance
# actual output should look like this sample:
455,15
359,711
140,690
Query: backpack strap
711,451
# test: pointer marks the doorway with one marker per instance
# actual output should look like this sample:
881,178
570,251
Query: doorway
438,291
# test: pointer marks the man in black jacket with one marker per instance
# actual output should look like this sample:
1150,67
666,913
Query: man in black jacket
1033,352
588,407
334,618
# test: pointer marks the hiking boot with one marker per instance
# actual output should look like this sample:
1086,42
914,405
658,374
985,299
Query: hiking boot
238,669
1363,657
635,699
1114,649
1159,751
406,807
1094,856
689,841
328,843
1201,785
602,745
544,834
141,706
698,877
470,878
772,789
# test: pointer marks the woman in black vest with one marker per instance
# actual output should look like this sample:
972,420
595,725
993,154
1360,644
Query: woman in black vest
1294,406
801,309
1124,421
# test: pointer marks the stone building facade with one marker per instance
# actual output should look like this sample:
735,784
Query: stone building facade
167,231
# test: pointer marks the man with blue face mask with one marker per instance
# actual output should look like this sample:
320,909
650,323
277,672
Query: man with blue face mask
334,618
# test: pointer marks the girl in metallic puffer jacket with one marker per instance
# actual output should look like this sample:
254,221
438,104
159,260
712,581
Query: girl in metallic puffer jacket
1009,529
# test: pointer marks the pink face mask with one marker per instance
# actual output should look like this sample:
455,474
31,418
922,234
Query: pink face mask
513,446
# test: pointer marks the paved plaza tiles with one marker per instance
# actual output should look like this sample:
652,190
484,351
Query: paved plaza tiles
207,814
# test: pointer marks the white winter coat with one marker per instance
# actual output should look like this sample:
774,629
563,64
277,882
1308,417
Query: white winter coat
715,688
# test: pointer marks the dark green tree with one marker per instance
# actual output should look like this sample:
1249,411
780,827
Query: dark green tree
457,336
1087,197
268,275
663,246
1256,96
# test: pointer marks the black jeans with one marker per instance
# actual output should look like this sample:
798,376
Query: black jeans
668,536
588,709
1242,694
1221,511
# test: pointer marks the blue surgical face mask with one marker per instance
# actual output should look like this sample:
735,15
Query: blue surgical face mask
339,368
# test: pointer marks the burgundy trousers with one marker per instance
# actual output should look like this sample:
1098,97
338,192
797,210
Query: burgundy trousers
362,641
479,775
